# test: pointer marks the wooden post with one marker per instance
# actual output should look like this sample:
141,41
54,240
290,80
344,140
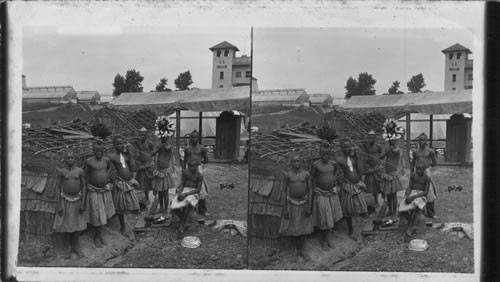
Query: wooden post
200,126
408,135
431,129
178,130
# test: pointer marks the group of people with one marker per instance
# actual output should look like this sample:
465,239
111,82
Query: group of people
336,186
108,186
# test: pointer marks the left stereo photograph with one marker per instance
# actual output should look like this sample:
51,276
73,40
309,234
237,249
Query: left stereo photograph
134,147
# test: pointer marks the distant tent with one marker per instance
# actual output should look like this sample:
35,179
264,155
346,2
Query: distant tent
282,97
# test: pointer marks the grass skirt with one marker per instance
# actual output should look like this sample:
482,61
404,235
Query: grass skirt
163,180
326,209
298,223
71,220
352,199
124,197
99,207
145,179
390,183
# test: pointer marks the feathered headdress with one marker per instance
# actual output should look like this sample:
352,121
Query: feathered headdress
164,128
392,130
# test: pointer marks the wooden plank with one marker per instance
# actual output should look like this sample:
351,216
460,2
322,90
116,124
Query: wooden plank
297,140
73,132
77,137
140,224
369,227
308,136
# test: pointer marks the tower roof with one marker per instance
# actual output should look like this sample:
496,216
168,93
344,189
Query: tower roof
224,45
456,47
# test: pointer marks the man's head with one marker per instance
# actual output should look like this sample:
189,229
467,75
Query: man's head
372,137
69,158
422,139
143,134
295,161
194,137
193,165
98,149
420,167
346,146
324,152
119,143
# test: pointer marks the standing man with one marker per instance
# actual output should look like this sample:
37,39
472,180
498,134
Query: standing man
145,164
124,196
352,200
428,157
372,167
200,153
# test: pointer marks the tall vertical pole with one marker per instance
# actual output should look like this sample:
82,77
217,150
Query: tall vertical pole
200,126
178,130
249,145
431,129
408,135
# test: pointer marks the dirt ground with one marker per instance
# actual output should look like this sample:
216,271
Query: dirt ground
220,248
447,251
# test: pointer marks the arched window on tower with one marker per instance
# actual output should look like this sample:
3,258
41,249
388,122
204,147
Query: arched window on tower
226,53
459,55
218,53
451,56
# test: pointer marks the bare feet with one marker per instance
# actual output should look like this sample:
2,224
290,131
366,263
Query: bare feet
73,255
102,241
124,232
325,246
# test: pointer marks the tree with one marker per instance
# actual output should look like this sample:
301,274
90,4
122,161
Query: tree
132,82
416,83
162,85
363,86
394,89
183,81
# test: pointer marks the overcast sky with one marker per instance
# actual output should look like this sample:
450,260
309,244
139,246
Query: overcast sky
90,62
319,60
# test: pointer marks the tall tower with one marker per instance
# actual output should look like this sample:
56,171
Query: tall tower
457,68
222,67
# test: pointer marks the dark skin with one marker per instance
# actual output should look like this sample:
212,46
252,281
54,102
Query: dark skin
424,154
195,151
391,158
190,178
373,152
124,171
350,176
98,170
420,182
324,176
71,182
297,185
164,152
144,148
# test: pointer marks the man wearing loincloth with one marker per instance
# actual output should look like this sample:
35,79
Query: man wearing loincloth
187,196
164,168
123,192
428,157
70,218
198,152
326,205
100,207
372,168
391,182
352,199
145,165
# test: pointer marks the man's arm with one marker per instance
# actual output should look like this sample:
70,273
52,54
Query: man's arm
310,191
83,184
432,155
313,175
413,161
204,155
186,156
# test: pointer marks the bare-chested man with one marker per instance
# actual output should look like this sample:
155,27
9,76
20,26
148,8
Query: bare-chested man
352,200
297,221
391,183
164,168
200,153
100,207
372,167
124,196
326,205
70,218
428,157
145,165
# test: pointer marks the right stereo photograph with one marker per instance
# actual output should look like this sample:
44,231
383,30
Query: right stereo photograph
361,150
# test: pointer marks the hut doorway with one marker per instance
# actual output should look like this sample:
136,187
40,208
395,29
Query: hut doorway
458,139
227,132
